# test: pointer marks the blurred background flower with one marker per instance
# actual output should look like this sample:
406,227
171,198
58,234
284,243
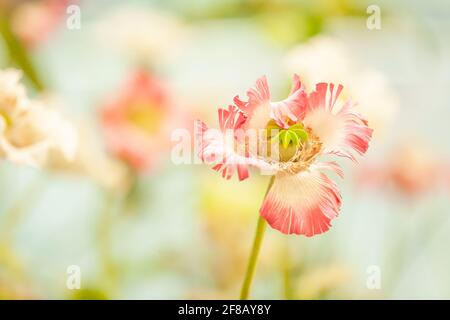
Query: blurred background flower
30,129
412,169
136,121
142,34
325,57
42,18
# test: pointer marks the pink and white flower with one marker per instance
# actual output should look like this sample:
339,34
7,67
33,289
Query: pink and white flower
291,136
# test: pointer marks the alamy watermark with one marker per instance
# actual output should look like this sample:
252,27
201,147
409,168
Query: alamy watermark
73,281
259,147
73,21
373,281
373,21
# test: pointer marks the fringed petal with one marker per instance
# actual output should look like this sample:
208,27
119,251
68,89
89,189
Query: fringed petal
331,166
259,110
219,146
257,107
231,118
343,132
293,107
257,97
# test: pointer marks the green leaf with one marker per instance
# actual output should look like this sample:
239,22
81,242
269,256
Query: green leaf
18,53
294,138
285,139
301,134
273,130
296,134
297,126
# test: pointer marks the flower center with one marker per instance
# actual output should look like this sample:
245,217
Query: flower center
288,141
291,149
146,117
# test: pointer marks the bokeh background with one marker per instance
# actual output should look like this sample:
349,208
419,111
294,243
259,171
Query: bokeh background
141,227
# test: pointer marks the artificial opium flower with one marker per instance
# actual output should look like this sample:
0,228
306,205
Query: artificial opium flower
29,129
291,136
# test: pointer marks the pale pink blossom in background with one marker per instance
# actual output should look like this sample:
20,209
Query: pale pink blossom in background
136,121
34,21
302,199
91,160
31,129
411,169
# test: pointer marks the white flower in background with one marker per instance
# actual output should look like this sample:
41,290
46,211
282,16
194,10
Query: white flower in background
12,94
141,32
325,58
29,129
320,58
92,161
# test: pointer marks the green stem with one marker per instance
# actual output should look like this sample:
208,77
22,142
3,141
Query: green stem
9,223
14,215
259,235
18,53
286,266
104,235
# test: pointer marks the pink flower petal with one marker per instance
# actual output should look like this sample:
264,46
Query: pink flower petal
293,107
218,147
340,132
226,148
257,96
259,110
304,203
331,166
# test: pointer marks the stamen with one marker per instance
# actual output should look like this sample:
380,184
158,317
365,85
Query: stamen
305,154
